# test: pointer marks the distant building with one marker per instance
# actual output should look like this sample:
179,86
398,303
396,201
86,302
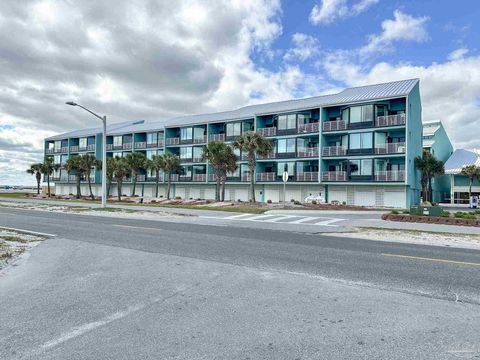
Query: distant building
435,140
357,146
460,184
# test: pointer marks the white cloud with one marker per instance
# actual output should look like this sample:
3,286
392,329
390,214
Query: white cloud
304,47
458,54
403,27
328,11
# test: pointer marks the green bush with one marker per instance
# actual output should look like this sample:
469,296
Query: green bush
405,211
464,215
445,214
394,212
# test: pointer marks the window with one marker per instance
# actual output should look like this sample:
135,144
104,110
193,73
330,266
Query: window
186,171
303,119
152,138
247,126
197,152
198,133
360,141
186,133
117,141
361,167
235,173
56,159
127,138
185,153
82,143
287,122
286,146
359,114
117,154
150,154
234,129
285,166
63,159
58,144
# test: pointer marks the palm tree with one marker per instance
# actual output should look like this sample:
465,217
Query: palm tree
222,159
252,144
472,172
135,161
121,170
36,169
74,164
110,174
88,161
48,168
156,164
171,164
429,167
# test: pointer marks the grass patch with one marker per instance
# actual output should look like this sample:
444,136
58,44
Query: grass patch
239,209
14,195
13,238
413,231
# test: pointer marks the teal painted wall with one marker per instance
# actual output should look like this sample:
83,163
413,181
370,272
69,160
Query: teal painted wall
414,145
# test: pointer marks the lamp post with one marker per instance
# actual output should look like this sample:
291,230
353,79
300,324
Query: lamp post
104,151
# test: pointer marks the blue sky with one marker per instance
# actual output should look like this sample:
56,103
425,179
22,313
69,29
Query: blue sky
153,60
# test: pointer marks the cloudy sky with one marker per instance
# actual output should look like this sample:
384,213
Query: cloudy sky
155,59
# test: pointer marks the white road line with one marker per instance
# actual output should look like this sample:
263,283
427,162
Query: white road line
237,216
282,217
257,218
308,218
27,231
329,222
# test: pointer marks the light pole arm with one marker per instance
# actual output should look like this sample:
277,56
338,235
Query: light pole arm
91,112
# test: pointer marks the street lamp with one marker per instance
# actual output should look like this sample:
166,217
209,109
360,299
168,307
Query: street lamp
104,151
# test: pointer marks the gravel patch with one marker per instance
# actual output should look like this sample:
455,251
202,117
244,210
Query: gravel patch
14,243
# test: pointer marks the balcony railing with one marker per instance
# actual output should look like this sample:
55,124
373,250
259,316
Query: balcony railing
109,146
269,131
173,177
391,175
140,145
217,137
72,178
127,146
172,141
141,178
199,177
63,149
334,151
267,176
245,177
390,148
49,151
334,176
334,125
270,155
73,148
91,147
390,120
198,159
308,128
307,176
153,178
161,142
185,160
200,140
308,152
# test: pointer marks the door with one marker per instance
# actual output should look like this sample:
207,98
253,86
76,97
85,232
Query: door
364,198
394,198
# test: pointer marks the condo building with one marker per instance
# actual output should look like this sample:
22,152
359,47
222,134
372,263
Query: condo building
355,147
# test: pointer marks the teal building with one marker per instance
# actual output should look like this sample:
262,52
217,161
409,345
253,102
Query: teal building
355,147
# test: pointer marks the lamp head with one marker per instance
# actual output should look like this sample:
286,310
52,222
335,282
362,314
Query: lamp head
71,103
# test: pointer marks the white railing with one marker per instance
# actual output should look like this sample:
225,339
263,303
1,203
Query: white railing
217,137
153,178
109,146
211,177
307,176
173,177
334,151
73,148
390,148
172,141
334,176
245,177
308,152
308,128
200,140
198,159
127,146
268,176
161,142
140,145
270,155
91,147
392,175
72,178
199,177
334,125
390,120
141,178
49,151
269,131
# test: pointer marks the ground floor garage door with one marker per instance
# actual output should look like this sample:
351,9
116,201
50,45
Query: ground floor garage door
364,198
394,198
337,193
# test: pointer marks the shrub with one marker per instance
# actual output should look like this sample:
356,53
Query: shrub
296,202
445,214
405,211
344,203
396,212
178,198
269,201
292,200
464,215
314,202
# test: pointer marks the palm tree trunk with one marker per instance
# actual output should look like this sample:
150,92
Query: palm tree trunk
217,188
48,185
222,185
157,180
119,190
39,178
470,189
90,187
109,185
430,191
79,193
168,186
134,183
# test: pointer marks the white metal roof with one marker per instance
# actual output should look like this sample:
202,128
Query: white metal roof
461,158
347,96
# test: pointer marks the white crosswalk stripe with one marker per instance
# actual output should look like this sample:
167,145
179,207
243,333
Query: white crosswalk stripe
286,219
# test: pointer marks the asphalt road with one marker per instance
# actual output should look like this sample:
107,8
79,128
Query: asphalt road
116,288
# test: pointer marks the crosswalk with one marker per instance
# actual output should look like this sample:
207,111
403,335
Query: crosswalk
287,219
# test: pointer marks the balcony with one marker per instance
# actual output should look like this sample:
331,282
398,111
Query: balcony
154,179
140,145
185,178
185,160
109,146
334,176
49,151
141,178
307,152
307,176
161,142
73,148
217,137
391,148
308,128
172,141
391,175
63,149
390,120
199,177
72,178
245,177
91,147
269,131
267,176
328,151
334,125
173,177
200,140
198,159
127,146
270,155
